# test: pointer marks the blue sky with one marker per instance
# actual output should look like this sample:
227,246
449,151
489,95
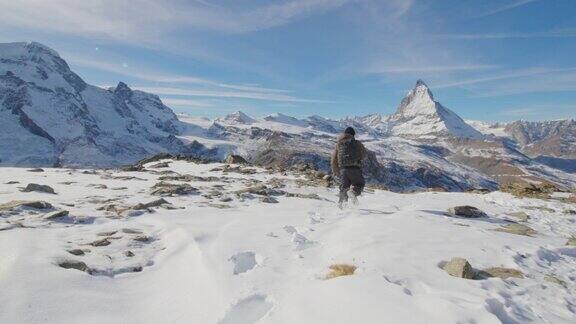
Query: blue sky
486,60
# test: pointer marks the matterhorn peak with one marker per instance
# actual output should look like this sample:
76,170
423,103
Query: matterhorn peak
419,114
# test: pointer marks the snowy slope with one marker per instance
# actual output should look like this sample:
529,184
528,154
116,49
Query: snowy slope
218,257
61,120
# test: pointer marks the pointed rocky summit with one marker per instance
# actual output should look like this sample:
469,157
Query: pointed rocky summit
420,115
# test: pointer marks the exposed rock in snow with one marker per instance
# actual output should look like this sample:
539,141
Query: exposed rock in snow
459,267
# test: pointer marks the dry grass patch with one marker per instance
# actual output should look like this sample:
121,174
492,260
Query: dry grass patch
339,270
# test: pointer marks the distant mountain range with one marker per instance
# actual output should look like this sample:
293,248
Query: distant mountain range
50,116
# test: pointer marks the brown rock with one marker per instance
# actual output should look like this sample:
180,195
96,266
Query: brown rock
518,229
459,267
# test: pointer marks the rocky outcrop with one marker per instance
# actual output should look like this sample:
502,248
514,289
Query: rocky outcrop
466,211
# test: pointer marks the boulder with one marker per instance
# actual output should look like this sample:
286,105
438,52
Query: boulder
269,200
171,189
73,264
36,170
77,252
459,267
235,159
38,188
37,204
518,229
155,203
102,242
466,211
56,214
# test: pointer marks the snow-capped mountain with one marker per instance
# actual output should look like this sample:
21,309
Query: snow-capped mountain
237,118
419,114
50,116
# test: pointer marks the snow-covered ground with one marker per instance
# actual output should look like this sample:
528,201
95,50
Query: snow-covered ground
214,256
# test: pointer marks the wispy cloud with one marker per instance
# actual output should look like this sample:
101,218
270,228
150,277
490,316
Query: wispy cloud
546,34
153,76
376,69
171,91
150,20
506,7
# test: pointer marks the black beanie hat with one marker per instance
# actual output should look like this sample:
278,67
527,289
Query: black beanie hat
350,130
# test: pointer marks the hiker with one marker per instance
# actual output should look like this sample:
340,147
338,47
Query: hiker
347,165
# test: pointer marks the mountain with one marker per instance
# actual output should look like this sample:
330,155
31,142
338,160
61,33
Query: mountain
420,115
50,116
237,118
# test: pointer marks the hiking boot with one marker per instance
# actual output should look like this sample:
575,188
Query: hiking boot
352,196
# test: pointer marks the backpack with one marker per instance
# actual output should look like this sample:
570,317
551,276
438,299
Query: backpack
349,153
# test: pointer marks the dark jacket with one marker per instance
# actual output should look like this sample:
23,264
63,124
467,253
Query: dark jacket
336,165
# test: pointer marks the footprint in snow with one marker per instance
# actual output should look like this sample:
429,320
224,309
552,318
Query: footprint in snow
247,310
301,242
245,261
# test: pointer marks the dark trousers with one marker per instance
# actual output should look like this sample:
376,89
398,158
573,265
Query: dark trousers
351,177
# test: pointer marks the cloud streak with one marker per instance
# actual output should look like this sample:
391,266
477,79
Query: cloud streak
506,7
171,91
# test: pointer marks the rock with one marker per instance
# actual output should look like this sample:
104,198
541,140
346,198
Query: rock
518,229
226,199
131,231
11,182
219,206
500,272
339,270
459,267
37,204
36,170
169,189
142,238
437,189
77,252
530,190
110,233
569,212
102,242
521,216
556,280
160,165
305,196
571,241
466,211
56,214
73,264
269,200
235,159
155,203
38,188
129,254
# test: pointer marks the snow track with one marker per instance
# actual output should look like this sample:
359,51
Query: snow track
195,261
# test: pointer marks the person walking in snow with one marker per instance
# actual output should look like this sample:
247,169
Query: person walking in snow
347,166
